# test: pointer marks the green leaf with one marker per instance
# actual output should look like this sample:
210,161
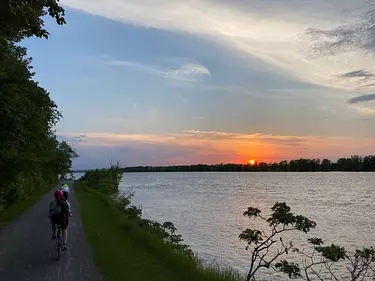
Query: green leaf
251,236
291,269
252,212
333,253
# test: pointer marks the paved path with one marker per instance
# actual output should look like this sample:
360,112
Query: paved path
27,253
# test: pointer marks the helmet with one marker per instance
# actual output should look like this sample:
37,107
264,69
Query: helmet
59,194
65,189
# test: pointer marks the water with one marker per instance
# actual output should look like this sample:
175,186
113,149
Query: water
207,208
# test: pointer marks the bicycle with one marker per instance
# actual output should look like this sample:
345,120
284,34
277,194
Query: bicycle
59,242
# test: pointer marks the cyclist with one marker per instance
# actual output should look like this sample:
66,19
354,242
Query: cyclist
59,212
65,189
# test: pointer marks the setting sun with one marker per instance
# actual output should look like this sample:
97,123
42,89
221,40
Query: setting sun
251,162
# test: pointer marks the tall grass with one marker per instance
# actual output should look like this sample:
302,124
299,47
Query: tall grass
128,247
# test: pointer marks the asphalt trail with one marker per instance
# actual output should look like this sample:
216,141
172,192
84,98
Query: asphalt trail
27,253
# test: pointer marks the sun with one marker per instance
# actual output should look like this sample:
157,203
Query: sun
251,162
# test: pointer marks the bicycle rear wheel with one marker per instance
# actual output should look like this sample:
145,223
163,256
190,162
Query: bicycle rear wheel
58,244
58,252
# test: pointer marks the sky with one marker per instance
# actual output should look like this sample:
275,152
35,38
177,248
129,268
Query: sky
161,82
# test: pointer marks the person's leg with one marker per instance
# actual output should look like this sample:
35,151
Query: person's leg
53,229
65,233
65,238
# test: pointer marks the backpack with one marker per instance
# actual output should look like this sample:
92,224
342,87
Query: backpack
63,206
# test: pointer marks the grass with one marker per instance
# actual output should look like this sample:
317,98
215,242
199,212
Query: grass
124,250
18,208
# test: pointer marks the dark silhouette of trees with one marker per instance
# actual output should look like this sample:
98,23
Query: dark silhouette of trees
353,164
31,157
24,18
368,163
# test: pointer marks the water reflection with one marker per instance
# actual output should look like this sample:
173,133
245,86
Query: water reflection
207,208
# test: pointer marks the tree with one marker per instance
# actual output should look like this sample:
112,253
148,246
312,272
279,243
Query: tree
280,221
268,249
31,158
344,164
24,18
357,162
369,163
283,166
354,163
30,155
326,165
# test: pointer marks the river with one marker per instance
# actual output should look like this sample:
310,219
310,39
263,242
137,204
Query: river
207,208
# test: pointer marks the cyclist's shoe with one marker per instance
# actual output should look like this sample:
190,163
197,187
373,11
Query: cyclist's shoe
65,247
53,237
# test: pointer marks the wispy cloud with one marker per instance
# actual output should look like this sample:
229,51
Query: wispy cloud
358,74
73,139
368,85
357,34
190,70
363,98
185,72
135,65
268,30
364,110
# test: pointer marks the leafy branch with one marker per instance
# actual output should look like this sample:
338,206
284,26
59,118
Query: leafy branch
268,250
280,221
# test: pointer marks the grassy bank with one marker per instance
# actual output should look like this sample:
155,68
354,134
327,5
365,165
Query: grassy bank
127,247
18,208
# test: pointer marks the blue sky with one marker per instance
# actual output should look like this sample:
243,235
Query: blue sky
179,82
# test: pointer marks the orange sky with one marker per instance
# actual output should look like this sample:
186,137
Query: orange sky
191,147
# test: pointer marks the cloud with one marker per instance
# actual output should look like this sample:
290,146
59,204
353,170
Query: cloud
359,34
270,31
136,65
364,110
188,71
185,72
356,38
357,74
193,146
72,139
363,98
368,85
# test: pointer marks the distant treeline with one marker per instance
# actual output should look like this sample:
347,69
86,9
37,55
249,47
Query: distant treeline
353,164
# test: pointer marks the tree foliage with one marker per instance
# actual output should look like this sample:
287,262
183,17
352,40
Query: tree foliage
354,163
31,157
104,180
269,250
24,18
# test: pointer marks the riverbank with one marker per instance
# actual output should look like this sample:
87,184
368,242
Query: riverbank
127,247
